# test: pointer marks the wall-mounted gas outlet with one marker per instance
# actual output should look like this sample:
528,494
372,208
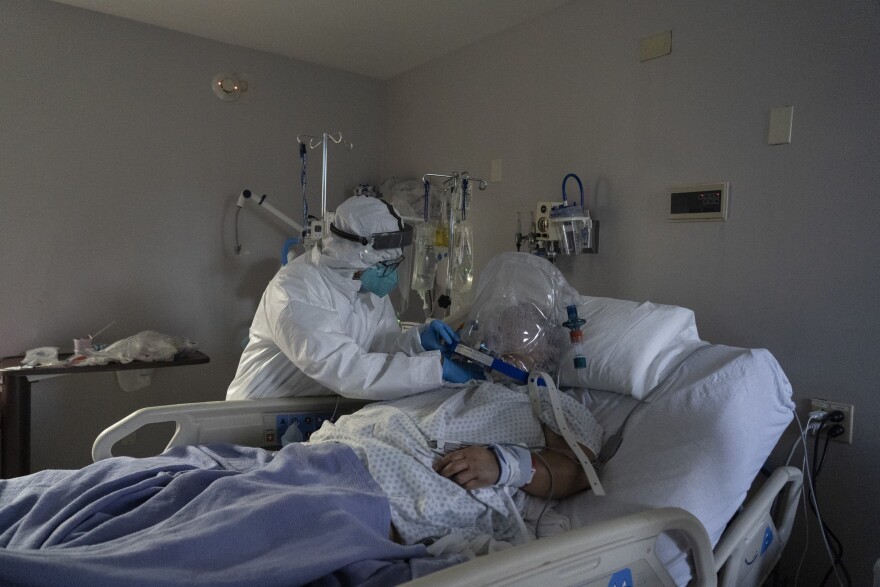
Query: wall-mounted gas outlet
832,406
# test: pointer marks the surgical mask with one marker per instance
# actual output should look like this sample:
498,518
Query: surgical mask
379,281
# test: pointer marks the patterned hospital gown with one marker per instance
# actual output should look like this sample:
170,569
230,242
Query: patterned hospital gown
392,439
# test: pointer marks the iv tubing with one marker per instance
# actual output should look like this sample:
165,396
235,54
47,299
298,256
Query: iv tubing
451,247
427,196
464,189
324,179
303,157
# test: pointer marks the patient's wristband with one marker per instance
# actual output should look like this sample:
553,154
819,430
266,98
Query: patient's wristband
515,464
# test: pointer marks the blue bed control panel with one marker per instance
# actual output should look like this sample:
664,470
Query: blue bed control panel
622,578
637,573
305,422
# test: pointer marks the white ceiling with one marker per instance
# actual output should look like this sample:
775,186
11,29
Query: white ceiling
377,38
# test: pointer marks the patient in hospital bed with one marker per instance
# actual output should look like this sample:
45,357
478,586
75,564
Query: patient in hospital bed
456,502
699,420
394,440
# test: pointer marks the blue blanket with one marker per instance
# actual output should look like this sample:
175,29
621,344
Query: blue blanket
211,515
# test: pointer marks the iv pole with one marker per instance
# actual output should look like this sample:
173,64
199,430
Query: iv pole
314,227
323,140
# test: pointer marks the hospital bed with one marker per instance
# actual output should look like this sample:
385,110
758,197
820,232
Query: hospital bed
693,424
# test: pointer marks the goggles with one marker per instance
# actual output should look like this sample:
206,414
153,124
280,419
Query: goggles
380,240
386,268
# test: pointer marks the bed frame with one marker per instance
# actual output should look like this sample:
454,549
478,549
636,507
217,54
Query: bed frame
615,552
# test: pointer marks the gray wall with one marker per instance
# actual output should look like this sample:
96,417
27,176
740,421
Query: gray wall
119,173
795,267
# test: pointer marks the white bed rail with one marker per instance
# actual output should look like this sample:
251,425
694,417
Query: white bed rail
746,553
754,541
615,552
245,422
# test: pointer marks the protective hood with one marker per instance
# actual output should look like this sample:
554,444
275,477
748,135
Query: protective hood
363,216
517,311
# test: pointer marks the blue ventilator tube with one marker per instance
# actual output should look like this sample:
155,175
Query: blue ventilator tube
491,362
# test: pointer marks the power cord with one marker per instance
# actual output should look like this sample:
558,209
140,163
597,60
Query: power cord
829,423
809,496
818,422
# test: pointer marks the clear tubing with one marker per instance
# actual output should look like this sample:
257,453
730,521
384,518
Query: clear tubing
451,209
324,178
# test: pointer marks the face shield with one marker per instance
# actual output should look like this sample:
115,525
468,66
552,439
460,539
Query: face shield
400,295
367,232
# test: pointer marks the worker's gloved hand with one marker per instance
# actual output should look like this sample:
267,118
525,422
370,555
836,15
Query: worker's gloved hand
438,336
461,371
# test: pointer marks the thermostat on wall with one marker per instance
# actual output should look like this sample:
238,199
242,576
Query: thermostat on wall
706,201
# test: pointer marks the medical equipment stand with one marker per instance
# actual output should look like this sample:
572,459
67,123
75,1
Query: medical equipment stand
15,402
316,229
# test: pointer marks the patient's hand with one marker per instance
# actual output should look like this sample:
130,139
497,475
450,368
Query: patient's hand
471,467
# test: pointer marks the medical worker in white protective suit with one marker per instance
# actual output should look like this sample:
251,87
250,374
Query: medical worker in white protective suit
325,323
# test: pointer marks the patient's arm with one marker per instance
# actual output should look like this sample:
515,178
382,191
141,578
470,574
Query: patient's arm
557,472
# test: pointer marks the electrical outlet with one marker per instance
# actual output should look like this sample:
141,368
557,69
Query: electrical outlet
832,406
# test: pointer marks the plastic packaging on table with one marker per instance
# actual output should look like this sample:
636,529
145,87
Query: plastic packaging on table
43,356
147,346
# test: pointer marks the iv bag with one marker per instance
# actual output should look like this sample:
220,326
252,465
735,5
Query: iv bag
463,257
424,258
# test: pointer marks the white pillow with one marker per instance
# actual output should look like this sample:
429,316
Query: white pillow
697,445
630,346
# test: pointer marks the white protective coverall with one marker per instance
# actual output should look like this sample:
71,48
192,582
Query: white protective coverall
316,333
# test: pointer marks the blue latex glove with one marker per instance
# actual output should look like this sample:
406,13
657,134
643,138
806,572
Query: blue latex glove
460,371
437,335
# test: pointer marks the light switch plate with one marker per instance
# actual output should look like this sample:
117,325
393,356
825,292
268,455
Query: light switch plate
495,175
655,46
779,132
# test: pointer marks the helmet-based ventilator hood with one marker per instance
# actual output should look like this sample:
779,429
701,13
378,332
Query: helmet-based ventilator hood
517,310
